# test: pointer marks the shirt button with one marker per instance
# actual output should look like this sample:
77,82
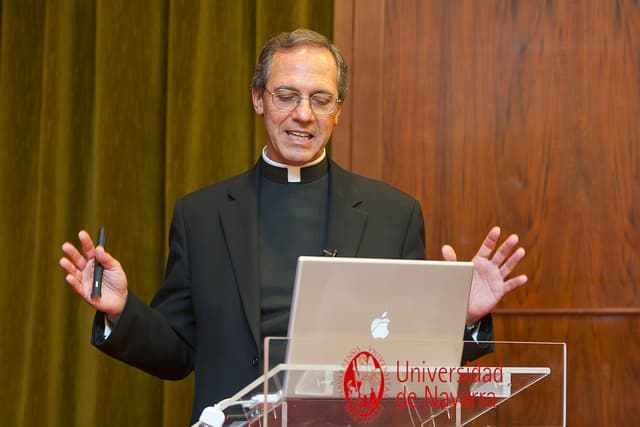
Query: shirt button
255,361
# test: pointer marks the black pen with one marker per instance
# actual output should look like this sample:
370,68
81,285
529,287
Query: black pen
96,290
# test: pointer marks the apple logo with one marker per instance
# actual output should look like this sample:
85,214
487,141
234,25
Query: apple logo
380,326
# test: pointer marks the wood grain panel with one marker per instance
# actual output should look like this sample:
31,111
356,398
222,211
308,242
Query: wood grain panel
572,311
367,141
603,363
523,114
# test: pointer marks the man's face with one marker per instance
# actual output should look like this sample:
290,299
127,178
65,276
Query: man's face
297,137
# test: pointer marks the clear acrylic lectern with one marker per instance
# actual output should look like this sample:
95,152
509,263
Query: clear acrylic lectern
387,383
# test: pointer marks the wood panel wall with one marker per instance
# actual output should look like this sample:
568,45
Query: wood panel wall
524,114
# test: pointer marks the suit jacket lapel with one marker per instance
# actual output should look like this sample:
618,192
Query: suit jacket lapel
239,218
346,216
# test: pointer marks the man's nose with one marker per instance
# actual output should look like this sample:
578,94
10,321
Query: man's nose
303,110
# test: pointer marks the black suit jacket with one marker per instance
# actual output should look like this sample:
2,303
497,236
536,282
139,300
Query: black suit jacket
206,316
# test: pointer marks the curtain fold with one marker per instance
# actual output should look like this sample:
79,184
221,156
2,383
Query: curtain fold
109,111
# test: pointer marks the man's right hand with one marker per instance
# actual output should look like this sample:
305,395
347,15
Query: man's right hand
79,268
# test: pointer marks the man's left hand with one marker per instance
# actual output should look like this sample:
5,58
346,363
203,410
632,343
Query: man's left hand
491,273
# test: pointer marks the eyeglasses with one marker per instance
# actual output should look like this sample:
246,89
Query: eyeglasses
320,103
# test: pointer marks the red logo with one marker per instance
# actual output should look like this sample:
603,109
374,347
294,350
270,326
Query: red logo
363,384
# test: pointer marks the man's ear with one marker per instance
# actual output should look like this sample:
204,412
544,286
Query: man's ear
256,96
336,115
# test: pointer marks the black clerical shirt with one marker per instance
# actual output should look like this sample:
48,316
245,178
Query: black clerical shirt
292,222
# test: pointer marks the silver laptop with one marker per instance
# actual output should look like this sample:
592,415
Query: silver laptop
407,312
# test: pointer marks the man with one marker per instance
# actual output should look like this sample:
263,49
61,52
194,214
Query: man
233,245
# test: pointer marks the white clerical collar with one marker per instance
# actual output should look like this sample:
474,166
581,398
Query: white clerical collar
294,173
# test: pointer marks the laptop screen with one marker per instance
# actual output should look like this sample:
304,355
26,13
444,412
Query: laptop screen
344,303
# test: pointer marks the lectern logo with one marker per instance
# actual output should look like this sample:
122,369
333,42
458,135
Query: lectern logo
363,383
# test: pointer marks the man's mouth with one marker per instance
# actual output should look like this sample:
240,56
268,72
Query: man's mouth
302,135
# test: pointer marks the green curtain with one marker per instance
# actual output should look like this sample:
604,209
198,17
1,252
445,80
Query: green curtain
109,111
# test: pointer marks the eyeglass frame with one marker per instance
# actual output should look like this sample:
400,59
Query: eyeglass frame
299,100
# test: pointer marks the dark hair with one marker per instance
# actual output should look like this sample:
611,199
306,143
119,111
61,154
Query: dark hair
286,41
